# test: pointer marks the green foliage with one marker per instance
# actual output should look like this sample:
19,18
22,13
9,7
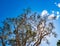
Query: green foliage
58,43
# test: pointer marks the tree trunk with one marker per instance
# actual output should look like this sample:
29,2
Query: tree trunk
17,38
3,44
37,43
24,43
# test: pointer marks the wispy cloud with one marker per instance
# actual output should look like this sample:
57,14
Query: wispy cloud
44,12
53,15
57,16
53,11
57,12
57,4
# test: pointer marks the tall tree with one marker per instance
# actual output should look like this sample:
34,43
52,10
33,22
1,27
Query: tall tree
43,27
26,28
5,31
21,29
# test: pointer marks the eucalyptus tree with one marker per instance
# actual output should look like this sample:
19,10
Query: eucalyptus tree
43,26
21,29
27,28
5,31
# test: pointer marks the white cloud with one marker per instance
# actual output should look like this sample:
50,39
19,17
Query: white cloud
51,16
57,16
44,13
58,5
52,11
57,12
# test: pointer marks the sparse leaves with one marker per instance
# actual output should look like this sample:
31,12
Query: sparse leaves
28,28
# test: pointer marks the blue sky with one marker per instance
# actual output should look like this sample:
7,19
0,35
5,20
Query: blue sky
13,8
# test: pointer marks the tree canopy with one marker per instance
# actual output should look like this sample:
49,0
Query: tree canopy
27,28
